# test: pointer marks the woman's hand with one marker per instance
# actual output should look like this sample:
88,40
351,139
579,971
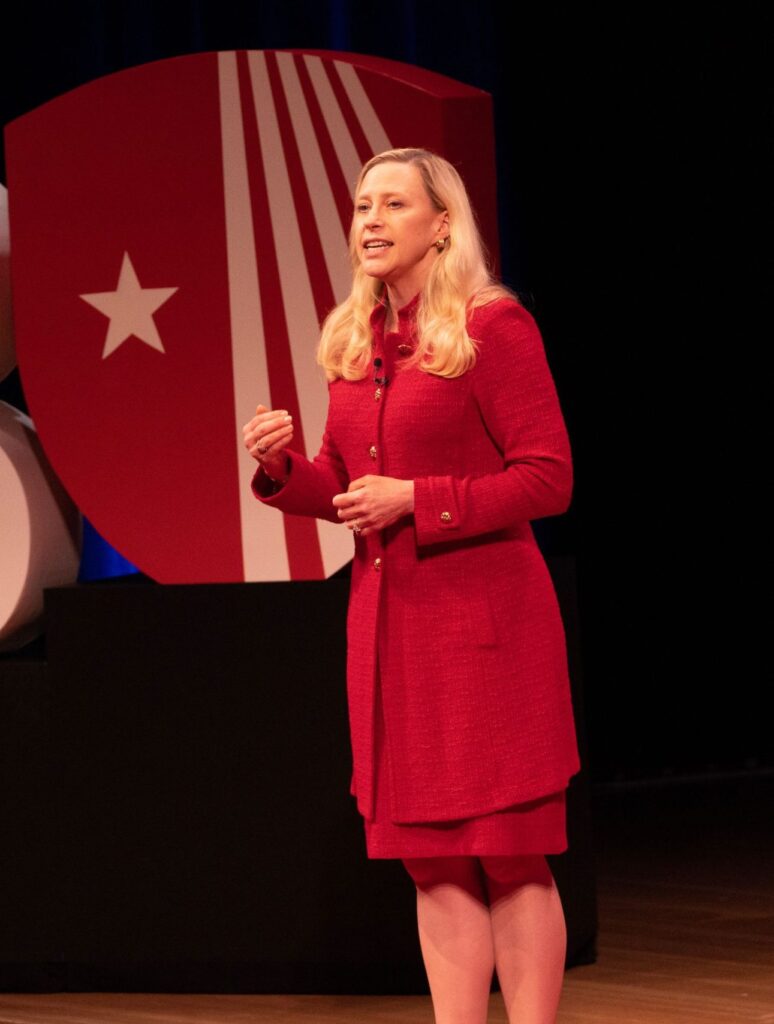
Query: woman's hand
374,502
266,435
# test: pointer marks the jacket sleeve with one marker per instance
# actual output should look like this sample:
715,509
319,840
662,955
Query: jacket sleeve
311,484
517,400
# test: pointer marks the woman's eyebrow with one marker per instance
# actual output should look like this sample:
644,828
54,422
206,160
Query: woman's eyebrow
383,195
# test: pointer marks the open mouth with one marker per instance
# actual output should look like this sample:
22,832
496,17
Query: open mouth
377,244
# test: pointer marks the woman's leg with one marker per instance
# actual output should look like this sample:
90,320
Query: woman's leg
455,935
530,937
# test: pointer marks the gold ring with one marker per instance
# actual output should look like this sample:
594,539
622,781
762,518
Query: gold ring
355,528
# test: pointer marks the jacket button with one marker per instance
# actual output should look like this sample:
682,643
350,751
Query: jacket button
377,564
372,451
446,517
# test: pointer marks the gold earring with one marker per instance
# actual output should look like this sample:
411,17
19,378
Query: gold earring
441,244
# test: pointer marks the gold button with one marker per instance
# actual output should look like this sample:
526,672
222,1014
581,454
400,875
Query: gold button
377,394
377,564
372,451
446,517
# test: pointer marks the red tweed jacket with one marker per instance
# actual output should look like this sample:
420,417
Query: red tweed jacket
456,600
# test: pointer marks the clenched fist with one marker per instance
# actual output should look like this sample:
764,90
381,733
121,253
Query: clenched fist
266,436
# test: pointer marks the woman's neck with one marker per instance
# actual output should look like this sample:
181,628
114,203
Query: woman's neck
395,299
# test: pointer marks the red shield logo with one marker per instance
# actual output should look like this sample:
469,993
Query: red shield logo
179,231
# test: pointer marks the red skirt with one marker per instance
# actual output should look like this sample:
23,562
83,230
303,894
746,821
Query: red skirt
538,826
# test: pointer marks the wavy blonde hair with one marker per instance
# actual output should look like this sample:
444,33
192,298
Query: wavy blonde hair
459,280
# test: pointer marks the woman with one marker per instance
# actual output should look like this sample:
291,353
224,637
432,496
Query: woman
444,438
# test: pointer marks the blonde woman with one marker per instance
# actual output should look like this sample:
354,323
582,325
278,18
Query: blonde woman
444,439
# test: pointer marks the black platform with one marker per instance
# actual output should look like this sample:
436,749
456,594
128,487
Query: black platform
174,791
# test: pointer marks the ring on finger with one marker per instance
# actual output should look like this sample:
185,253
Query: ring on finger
262,449
355,527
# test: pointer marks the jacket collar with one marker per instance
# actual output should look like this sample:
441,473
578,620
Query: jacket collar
405,314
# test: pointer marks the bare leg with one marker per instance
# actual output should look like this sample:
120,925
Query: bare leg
455,935
530,936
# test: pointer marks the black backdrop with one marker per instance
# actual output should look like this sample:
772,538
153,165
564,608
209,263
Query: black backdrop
631,165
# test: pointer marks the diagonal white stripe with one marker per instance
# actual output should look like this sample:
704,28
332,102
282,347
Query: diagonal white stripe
329,229
334,120
264,552
297,298
361,104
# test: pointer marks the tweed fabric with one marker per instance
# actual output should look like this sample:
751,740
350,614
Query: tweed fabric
538,826
474,684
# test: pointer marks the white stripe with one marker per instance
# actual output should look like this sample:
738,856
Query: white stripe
264,553
297,298
332,236
366,115
337,127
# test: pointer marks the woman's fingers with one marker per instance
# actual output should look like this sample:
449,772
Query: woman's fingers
265,418
374,502
352,511
349,504
348,498
267,449
268,429
271,439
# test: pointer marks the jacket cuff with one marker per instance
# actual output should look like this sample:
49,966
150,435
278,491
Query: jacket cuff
436,513
308,490
262,485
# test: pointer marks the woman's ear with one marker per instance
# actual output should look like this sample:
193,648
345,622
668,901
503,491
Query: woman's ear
443,228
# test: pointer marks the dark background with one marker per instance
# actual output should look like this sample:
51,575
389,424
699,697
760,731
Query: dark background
633,181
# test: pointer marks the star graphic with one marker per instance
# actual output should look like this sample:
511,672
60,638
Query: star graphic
130,309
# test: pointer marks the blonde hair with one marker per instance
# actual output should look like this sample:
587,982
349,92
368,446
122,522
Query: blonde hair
458,281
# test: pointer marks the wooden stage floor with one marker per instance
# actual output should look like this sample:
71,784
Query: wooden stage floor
686,898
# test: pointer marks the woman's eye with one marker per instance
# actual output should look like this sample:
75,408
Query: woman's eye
361,207
394,204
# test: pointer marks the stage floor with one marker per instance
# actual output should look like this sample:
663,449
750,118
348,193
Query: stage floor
686,902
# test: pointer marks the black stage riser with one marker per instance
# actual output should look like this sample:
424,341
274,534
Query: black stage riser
176,808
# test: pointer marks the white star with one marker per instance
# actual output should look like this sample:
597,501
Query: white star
130,309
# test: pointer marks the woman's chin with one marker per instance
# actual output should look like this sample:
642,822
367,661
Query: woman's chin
372,271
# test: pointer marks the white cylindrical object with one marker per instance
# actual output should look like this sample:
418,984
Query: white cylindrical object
40,530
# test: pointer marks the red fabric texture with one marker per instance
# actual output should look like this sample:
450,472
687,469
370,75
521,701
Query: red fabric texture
535,827
474,685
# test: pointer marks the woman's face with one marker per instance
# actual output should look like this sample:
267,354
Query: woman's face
396,227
